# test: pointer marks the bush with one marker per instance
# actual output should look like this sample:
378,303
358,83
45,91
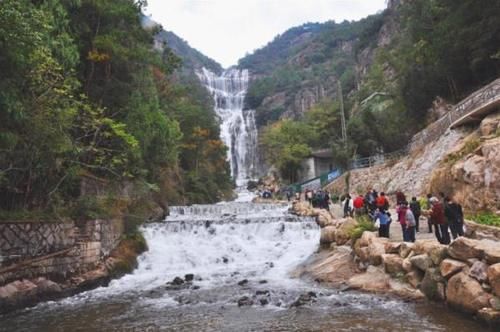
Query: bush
364,224
487,218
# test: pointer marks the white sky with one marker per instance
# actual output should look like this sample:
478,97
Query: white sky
226,30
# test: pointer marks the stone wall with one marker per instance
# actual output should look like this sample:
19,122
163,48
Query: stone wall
21,240
56,250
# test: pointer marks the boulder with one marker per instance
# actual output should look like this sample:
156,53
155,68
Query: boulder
414,278
478,271
438,253
366,239
364,254
432,285
490,124
324,219
327,235
407,266
245,301
466,294
47,287
343,232
373,280
392,247
449,267
421,262
494,278
375,251
393,264
405,249
425,246
491,250
464,248
490,316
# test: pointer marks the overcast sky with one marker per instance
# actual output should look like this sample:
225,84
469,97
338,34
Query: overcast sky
226,30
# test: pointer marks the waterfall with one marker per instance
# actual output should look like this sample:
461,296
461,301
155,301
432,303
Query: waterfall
238,128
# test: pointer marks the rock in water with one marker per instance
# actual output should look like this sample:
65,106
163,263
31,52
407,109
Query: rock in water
245,301
242,282
189,277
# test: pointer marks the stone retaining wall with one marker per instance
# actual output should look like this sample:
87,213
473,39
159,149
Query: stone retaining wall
55,250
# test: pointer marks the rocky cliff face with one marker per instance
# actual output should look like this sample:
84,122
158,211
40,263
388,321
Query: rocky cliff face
463,163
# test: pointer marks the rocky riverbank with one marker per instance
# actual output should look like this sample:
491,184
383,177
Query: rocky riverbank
465,275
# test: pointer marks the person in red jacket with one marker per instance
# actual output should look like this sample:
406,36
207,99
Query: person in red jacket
382,202
359,205
438,219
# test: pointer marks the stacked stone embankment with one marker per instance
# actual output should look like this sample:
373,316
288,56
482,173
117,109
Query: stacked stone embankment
42,260
465,274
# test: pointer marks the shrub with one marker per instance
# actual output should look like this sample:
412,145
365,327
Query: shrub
487,218
364,224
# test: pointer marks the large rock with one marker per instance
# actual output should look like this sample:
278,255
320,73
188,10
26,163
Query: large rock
478,271
466,294
328,235
392,247
433,285
494,278
324,219
373,280
343,232
449,267
490,316
464,248
421,262
491,250
438,253
405,249
375,251
393,264
490,124
367,238
425,246
414,278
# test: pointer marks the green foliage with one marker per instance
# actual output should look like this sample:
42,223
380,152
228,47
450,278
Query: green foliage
83,91
487,218
364,225
286,144
469,147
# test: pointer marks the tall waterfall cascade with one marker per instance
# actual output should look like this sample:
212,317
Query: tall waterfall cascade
238,128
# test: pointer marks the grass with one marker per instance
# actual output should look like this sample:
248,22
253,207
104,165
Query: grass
486,218
364,224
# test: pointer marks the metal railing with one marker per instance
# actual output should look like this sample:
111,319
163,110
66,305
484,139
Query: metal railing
476,101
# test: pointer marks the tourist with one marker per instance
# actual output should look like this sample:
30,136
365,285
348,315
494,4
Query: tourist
382,202
289,194
455,217
439,221
383,220
428,207
400,197
415,208
410,223
401,211
359,205
309,196
348,206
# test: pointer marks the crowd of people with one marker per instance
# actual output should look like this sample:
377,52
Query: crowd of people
443,214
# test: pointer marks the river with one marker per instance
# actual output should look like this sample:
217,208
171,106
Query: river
233,250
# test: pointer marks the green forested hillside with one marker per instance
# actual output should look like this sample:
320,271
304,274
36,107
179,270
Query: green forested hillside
402,59
83,93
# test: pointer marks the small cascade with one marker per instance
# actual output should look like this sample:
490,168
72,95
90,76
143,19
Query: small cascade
238,128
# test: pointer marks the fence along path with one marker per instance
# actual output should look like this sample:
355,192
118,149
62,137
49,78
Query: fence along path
469,109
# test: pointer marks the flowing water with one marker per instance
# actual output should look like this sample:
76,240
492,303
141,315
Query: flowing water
238,129
233,250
